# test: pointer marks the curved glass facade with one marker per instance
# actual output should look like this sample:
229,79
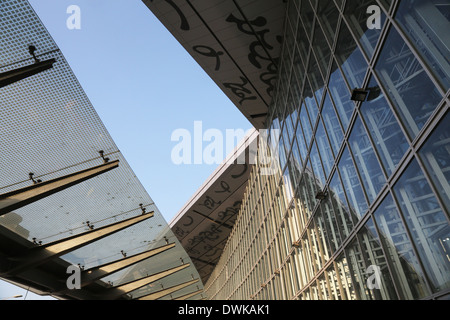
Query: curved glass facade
359,205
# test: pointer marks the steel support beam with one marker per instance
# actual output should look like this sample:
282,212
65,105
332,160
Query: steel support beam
15,75
19,198
165,292
134,285
39,255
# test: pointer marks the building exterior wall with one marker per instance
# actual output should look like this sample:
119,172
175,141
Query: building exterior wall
382,230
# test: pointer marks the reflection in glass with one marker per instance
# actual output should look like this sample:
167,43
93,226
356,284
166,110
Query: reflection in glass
405,269
331,122
342,268
426,23
352,186
350,58
341,96
384,129
436,156
414,95
427,223
340,206
366,161
374,257
325,151
331,224
328,16
356,15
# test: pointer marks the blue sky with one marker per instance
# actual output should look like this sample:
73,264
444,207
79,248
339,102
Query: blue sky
144,86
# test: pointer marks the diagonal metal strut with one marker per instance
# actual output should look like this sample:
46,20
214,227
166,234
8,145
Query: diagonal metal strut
19,198
134,285
165,292
39,255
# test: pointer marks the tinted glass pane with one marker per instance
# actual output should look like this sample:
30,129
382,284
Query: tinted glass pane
366,161
384,129
405,266
332,125
350,58
436,157
324,149
427,223
328,16
341,96
352,186
360,15
414,95
426,23
337,196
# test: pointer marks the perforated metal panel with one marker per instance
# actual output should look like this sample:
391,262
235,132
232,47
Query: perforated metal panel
49,127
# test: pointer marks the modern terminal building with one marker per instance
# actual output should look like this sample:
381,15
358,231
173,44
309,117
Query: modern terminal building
346,195
350,194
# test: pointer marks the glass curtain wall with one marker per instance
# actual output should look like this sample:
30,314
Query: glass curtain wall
359,205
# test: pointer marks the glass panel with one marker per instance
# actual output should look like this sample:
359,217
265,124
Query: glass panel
405,268
337,196
366,161
331,224
345,281
311,104
357,270
307,16
334,283
317,83
324,149
436,157
350,58
352,186
306,125
414,95
384,129
357,17
341,96
332,125
321,50
323,236
427,223
377,271
426,23
317,165
328,16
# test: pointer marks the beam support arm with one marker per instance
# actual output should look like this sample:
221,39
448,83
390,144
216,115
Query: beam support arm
39,255
165,292
120,290
19,198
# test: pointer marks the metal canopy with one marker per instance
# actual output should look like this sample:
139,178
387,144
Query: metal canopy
207,219
59,205
236,42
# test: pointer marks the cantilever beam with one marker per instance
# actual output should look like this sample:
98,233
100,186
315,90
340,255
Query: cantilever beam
120,290
90,275
19,198
165,292
12,76
39,255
